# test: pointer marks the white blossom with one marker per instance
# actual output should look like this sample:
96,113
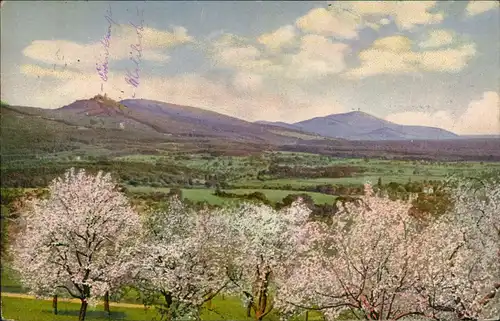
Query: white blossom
182,258
79,239
460,275
266,244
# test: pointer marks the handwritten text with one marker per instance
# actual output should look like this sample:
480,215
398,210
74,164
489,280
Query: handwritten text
132,78
102,66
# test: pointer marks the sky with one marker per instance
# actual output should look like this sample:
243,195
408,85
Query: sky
426,63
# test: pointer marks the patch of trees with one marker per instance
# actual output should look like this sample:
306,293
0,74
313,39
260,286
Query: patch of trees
9,199
158,199
320,212
432,196
337,189
215,180
255,196
280,171
330,189
134,173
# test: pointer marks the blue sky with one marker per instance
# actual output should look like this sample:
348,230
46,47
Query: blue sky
420,63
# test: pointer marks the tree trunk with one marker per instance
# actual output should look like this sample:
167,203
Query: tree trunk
307,315
54,304
83,310
249,310
106,302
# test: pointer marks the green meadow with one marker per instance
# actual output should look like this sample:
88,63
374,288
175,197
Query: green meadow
205,194
30,309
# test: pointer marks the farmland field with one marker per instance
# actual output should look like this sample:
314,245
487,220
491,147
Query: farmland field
275,174
241,173
204,194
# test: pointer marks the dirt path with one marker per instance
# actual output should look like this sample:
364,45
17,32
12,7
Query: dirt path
111,304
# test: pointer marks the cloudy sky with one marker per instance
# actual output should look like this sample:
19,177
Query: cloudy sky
420,63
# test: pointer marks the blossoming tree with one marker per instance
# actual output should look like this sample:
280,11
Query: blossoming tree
183,258
79,239
459,279
266,244
379,262
363,262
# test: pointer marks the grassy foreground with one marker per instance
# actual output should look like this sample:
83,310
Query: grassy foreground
28,309
18,306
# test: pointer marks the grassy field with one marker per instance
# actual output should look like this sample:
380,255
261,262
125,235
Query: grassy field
24,309
278,195
199,174
199,171
41,310
242,170
204,194
301,183
241,173
21,309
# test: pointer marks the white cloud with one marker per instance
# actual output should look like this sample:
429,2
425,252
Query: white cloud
406,14
56,72
246,82
481,117
446,60
231,55
239,54
394,55
384,21
345,18
477,7
317,57
374,26
437,38
154,38
279,38
84,57
333,22
230,40
247,58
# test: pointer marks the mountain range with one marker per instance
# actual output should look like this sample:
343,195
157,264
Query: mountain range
177,119
146,126
359,125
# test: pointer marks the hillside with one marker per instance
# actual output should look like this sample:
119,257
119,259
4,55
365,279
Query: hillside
278,123
131,126
101,126
185,120
362,126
